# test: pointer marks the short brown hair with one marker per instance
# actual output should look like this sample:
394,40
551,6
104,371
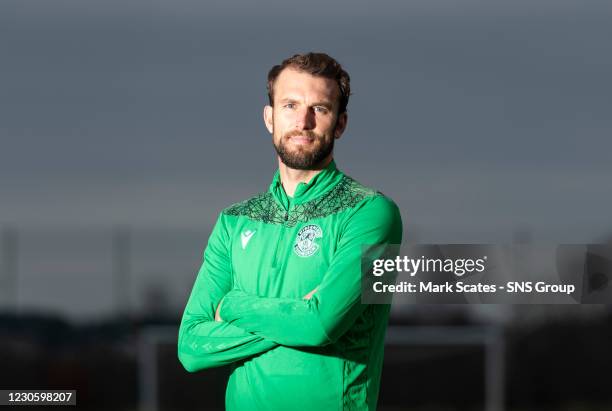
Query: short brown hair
317,64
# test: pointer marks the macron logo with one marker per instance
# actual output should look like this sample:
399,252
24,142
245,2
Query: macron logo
245,237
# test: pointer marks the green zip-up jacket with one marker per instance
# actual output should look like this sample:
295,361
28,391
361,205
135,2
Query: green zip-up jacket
263,257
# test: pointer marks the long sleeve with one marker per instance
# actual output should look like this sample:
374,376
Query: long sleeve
336,304
203,342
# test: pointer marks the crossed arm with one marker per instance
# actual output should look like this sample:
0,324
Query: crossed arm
202,341
249,325
218,315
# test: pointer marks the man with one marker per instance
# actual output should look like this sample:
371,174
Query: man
278,294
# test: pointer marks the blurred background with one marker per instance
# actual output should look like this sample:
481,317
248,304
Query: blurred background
126,126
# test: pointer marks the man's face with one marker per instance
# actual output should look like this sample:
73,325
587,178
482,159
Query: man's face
304,122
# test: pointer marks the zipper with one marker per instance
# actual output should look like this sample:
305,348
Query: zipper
281,230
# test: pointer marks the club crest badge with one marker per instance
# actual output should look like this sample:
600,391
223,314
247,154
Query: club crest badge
305,245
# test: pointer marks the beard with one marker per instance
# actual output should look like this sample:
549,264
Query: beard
302,158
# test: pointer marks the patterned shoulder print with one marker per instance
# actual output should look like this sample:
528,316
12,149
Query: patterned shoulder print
262,207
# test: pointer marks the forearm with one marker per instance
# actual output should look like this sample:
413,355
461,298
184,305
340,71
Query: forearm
286,321
203,343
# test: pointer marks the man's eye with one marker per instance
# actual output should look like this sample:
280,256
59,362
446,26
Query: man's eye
289,105
320,109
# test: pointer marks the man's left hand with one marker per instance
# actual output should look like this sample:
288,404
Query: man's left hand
309,295
217,315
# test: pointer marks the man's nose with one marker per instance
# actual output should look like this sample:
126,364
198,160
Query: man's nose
305,119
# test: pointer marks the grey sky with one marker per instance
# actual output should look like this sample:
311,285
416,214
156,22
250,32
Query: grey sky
476,117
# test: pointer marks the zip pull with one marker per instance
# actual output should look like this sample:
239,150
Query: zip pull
288,209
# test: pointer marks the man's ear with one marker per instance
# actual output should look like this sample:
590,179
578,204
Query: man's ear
268,118
341,124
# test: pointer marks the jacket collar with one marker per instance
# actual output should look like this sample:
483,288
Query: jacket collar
317,186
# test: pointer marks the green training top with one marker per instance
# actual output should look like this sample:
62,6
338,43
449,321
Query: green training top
263,257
